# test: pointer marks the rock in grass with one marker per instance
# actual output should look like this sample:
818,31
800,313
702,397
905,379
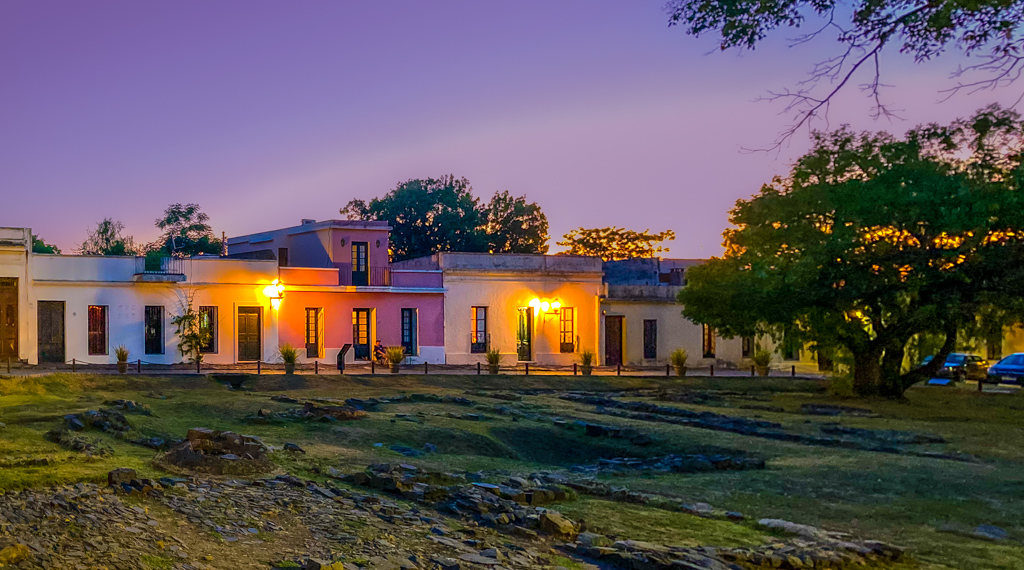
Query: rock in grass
293,448
990,532
14,554
121,475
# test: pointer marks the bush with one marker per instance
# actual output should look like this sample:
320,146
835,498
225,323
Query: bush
121,352
678,358
289,354
493,356
394,354
762,358
587,358
841,386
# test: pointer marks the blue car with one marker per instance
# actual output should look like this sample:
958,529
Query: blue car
1009,370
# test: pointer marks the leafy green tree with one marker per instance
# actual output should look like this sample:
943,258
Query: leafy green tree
441,214
40,246
988,30
186,232
873,240
514,226
615,243
192,336
107,239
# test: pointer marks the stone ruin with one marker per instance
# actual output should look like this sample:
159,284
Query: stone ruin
219,453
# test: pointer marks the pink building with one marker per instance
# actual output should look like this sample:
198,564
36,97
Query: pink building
340,288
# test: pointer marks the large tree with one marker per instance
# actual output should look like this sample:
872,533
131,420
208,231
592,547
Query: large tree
873,240
988,30
186,231
615,243
513,225
107,239
441,214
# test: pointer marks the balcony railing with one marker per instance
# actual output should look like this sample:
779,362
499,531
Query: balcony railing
373,277
159,266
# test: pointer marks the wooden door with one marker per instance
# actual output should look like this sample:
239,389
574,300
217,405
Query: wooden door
250,334
8,318
51,331
612,340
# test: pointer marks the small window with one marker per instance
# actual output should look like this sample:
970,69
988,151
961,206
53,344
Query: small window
478,338
708,341
282,257
409,341
97,329
650,339
567,330
314,332
747,347
154,329
208,325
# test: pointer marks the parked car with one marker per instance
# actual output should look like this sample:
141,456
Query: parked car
1008,370
960,366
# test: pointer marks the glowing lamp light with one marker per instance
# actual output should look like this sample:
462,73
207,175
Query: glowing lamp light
545,306
274,292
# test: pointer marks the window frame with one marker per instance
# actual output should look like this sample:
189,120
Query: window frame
747,347
103,334
651,343
212,345
147,311
567,330
411,345
478,336
708,342
282,257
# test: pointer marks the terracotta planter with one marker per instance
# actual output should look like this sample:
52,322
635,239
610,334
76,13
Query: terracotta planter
587,370
680,371
492,369
289,368
763,370
122,367
394,368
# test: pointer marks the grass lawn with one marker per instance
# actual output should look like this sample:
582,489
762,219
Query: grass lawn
928,505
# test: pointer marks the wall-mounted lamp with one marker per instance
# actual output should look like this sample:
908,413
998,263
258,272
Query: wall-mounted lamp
274,292
545,305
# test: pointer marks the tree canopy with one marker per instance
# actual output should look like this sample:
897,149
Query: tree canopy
40,246
441,214
925,30
186,232
107,239
872,240
615,243
514,226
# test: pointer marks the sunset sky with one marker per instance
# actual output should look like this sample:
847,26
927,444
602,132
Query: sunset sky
268,112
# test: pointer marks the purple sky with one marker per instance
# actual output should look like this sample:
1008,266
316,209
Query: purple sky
268,112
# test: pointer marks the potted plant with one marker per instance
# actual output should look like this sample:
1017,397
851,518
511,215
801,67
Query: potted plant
121,352
587,359
678,360
762,359
289,355
493,356
395,355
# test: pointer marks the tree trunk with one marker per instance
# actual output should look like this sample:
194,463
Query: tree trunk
867,371
900,384
892,368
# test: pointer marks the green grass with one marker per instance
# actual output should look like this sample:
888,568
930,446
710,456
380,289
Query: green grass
901,499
